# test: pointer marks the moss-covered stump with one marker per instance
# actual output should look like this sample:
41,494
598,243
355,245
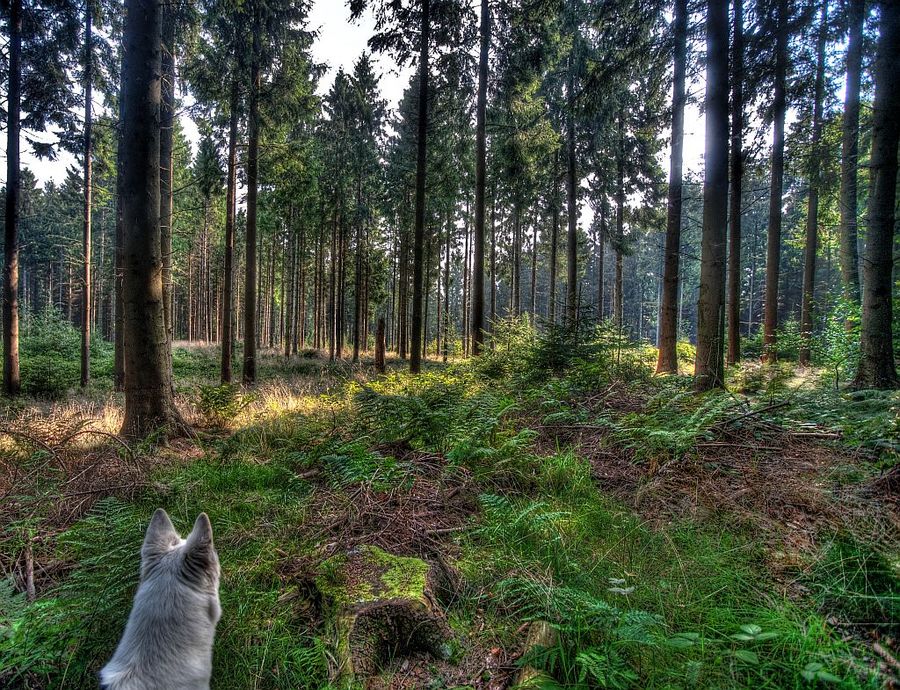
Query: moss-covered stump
380,607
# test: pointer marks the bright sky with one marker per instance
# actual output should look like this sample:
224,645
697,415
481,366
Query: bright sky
339,44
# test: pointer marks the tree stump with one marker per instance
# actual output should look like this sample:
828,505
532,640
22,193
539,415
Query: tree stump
540,635
379,607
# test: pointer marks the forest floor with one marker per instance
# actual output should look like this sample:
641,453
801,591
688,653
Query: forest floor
742,539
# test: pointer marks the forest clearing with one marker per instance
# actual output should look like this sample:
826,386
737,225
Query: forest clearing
464,344
741,539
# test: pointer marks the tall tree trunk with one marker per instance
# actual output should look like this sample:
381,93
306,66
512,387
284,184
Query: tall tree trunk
379,346
667,363
737,174
571,186
601,256
710,363
465,291
447,287
477,324
341,294
619,246
119,342
554,239
773,249
493,263
88,160
167,163
403,297
11,378
876,363
149,401
357,280
230,204
516,303
812,215
849,258
534,258
248,374
415,355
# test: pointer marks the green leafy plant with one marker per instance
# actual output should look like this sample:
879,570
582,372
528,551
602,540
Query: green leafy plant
220,405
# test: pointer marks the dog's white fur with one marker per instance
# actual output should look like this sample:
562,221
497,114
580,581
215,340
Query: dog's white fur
167,644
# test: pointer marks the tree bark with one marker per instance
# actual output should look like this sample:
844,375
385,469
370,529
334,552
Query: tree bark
571,235
248,374
812,215
737,174
773,248
849,258
415,354
149,401
667,362
618,288
554,239
447,288
86,240
11,377
477,325
710,364
379,346
230,204
167,163
876,363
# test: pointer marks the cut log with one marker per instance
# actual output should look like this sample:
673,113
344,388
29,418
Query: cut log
541,635
379,608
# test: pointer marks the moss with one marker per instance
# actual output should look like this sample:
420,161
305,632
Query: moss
370,574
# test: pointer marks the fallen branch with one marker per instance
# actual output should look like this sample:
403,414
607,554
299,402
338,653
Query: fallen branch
752,413
889,658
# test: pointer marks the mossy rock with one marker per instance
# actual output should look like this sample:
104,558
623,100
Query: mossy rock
379,607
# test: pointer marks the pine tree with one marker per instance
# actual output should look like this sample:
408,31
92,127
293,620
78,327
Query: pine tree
709,366
876,363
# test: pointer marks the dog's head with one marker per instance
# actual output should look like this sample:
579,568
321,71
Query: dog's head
192,561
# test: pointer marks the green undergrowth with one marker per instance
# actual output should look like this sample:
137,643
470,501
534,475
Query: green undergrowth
676,605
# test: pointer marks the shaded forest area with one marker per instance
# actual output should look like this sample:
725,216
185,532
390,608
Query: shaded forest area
498,353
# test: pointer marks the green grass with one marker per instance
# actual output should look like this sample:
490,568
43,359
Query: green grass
678,605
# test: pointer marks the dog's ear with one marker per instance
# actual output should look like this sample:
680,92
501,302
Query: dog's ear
200,557
159,539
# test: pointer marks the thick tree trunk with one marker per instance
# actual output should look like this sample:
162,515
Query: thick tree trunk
11,378
849,258
167,163
415,355
230,204
477,324
812,215
773,249
248,374
149,402
571,235
86,240
667,363
737,174
877,368
710,363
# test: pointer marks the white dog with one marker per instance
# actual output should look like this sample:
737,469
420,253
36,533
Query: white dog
167,644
